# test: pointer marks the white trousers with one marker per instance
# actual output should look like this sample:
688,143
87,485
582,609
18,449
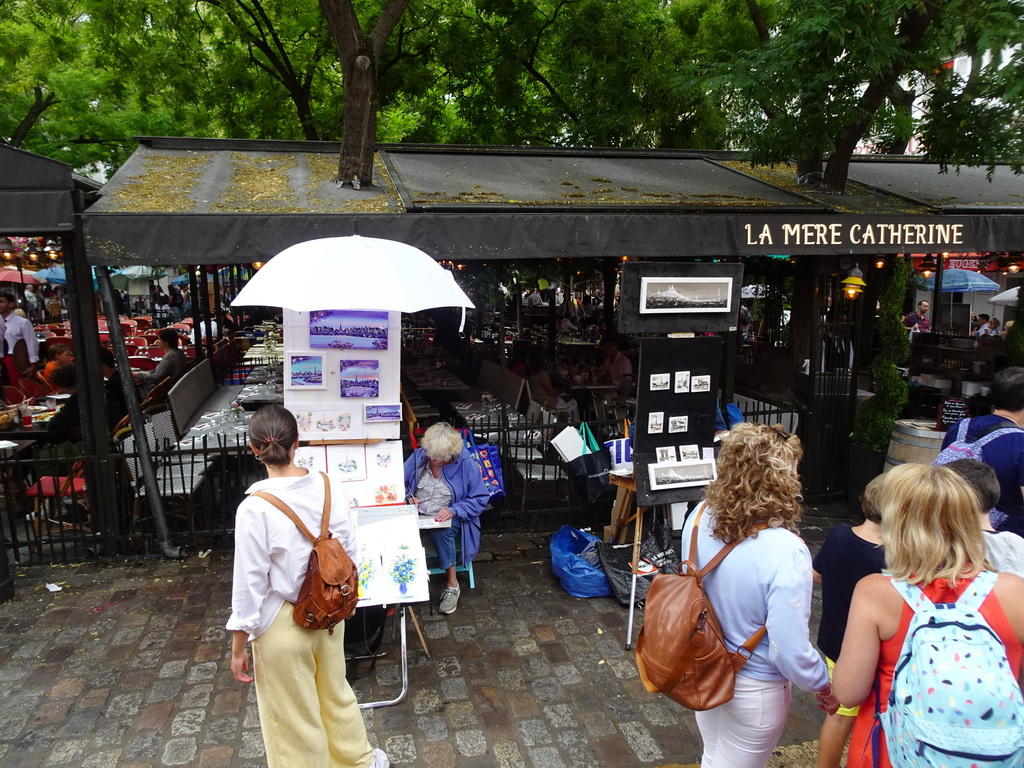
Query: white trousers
743,732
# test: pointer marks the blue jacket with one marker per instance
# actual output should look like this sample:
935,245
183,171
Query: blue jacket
469,494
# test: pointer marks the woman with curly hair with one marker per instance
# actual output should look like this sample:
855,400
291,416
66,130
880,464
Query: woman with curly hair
765,582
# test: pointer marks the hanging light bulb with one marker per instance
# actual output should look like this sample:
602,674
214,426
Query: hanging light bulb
33,253
52,250
928,266
257,264
853,284
8,250
879,261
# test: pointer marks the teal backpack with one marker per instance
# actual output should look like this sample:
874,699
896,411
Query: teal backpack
955,702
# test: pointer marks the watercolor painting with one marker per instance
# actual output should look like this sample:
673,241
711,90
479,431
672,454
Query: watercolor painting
323,421
305,372
311,457
348,329
359,378
374,413
384,458
346,462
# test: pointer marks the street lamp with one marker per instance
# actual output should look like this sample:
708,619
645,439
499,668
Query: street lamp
928,266
853,284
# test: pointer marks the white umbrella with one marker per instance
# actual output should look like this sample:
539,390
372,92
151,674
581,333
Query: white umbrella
352,273
1007,298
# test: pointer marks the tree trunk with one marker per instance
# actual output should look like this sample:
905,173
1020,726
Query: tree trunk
39,105
359,53
912,29
902,101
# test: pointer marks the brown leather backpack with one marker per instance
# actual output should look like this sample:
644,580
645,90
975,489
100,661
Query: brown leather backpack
681,650
329,592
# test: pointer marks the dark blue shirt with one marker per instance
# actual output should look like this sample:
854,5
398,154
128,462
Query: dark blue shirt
1005,455
843,560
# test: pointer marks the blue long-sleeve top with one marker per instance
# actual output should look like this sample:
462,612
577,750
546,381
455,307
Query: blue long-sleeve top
768,581
469,494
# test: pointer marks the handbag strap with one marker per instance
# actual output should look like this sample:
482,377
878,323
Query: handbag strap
468,440
752,641
589,441
325,519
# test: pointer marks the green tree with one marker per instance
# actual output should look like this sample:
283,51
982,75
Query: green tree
824,75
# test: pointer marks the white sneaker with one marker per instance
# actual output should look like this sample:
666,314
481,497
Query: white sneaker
380,759
449,600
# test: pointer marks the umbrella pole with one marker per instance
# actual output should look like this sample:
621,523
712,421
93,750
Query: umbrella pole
937,296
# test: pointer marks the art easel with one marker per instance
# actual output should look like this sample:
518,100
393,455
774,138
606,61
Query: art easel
637,518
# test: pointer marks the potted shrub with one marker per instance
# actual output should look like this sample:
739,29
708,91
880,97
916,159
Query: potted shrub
873,421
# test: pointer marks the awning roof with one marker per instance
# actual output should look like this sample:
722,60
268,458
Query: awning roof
36,193
180,201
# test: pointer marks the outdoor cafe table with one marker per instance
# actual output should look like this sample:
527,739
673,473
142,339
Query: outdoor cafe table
434,379
260,352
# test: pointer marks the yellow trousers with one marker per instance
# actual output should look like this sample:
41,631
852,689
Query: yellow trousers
308,713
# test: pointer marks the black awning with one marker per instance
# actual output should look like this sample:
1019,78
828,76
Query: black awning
36,194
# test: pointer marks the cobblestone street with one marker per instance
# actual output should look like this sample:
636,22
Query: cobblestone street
128,666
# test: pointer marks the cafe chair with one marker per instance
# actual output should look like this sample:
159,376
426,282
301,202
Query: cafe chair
32,388
59,501
153,352
13,395
60,340
47,388
157,394
138,341
141,363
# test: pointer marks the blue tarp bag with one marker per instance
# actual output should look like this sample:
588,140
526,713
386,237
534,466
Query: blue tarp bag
578,577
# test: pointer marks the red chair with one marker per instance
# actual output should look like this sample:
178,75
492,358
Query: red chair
138,341
104,338
131,349
190,352
50,492
140,363
154,352
151,337
60,340
32,388
142,322
13,395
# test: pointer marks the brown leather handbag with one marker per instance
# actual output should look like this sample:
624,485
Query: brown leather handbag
329,592
681,650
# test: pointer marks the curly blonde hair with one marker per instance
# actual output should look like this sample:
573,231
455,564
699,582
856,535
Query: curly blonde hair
757,482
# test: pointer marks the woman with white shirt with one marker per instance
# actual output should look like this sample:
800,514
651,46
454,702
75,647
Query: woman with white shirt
308,713
765,581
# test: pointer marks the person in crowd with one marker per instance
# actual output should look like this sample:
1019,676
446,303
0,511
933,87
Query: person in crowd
535,299
117,406
161,309
1005,454
543,390
614,364
848,554
932,539
443,481
520,356
1005,549
982,329
765,581
309,715
176,301
66,424
57,355
22,344
991,328
200,329
918,320
173,363
31,304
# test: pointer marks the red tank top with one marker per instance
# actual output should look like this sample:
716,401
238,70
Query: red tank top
939,591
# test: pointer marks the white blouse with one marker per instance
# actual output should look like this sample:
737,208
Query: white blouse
271,553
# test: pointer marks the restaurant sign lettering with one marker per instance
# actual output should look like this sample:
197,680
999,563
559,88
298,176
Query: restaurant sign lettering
938,235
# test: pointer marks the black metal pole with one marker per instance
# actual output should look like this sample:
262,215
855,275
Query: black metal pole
937,297
193,290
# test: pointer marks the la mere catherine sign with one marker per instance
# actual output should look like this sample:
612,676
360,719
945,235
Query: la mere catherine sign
899,234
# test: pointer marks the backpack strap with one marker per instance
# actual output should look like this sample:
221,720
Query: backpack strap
752,641
912,594
325,522
961,431
979,589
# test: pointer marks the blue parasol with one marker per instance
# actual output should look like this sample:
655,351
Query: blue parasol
962,281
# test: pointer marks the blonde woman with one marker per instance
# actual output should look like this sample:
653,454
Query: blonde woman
766,581
933,539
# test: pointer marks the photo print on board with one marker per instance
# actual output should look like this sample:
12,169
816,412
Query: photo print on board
682,382
681,474
348,329
666,453
359,378
660,382
685,294
656,423
700,384
678,424
689,452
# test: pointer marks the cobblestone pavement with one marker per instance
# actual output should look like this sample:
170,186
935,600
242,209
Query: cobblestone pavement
128,667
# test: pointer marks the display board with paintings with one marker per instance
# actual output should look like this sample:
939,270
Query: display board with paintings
673,443
391,560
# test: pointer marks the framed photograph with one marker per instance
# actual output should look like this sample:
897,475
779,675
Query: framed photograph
660,382
682,382
372,413
681,474
678,424
346,462
359,378
348,329
685,294
305,372
700,384
656,423
689,452
666,454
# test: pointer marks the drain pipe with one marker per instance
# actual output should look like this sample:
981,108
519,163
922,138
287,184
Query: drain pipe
131,399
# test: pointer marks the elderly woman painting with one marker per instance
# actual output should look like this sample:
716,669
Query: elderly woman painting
444,481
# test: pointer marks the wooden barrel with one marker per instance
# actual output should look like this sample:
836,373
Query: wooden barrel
913,442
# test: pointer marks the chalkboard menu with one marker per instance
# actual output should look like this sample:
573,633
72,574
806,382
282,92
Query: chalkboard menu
951,411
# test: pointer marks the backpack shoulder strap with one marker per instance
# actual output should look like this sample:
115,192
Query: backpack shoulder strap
961,431
911,593
287,510
979,589
996,430
325,521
